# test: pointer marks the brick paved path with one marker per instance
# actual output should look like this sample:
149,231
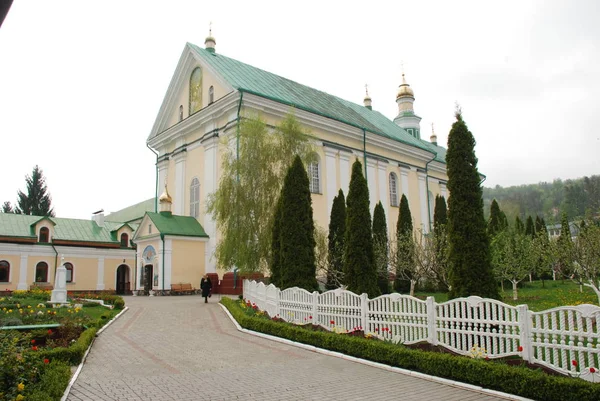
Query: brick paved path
178,348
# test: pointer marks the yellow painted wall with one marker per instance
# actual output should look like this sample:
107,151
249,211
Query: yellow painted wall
187,262
110,272
85,273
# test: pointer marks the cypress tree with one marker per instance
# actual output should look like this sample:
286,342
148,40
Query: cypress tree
538,224
297,240
529,228
337,230
495,223
381,248
469,253
440,212
275,265
405,259
440,222
519,226
360,274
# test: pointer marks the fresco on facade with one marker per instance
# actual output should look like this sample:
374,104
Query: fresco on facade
195,91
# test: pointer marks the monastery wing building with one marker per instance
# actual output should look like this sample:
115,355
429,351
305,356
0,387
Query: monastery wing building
171,239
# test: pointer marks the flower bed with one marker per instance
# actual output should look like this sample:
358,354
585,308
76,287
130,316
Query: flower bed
488,374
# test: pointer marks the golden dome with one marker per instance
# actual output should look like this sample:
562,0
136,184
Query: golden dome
165,197
404,90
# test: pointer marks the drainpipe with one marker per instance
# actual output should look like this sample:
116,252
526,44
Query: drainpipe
55,263
162,237
365,153
135,271
427,189
156,184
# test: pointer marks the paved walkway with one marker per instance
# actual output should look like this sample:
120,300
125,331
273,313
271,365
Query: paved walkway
178,348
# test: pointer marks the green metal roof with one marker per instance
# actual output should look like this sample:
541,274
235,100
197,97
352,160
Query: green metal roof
133,212
19,225
170,224
250,79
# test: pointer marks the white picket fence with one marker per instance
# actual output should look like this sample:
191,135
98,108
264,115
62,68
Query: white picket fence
564,339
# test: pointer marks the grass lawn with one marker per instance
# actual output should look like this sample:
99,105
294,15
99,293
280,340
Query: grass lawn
551,295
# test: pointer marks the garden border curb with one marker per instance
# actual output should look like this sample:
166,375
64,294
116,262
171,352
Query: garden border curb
375,364
76,374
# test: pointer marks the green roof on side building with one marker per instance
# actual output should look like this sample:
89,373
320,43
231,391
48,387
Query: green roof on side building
170,224
133,212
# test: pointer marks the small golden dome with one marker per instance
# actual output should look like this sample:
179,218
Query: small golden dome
165,197
404,90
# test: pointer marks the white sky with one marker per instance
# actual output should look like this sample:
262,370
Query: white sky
81,82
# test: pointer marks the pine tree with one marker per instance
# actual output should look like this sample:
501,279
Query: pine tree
381,248
495,222
469,253
538,224
529,228
37,201
564,247
440,212
7,207
297,241
404,249
337,230
275,265
360,274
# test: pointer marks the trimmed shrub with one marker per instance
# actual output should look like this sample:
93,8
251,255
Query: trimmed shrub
73,354
52,383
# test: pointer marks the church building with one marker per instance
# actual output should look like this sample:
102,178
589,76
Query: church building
173,239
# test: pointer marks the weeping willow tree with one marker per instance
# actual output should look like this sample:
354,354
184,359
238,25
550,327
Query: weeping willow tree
254,165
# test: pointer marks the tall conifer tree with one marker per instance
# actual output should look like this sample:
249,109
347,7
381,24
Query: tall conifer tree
469,253
297,236
440,233
495,222
337,230
360,274
404,248
37,201
529,227
275,264
381,248
519,226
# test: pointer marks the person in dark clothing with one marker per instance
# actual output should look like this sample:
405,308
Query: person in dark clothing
205,286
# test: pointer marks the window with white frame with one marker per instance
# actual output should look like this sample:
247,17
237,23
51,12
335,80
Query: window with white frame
314,176
195,198
69,267
4,271
393,189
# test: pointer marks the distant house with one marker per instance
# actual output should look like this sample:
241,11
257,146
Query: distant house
554,230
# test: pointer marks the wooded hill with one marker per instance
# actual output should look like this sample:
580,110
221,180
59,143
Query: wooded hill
578,197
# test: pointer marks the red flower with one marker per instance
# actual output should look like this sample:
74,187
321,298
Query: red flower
310,317
376,329
34,348
33,341
520,349
49,332
46,361
331,322
360,327
574,362
592,370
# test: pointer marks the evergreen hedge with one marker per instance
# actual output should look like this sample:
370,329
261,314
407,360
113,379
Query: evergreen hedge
498,376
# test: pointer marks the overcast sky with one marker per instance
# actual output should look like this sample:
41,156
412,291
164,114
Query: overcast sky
81,82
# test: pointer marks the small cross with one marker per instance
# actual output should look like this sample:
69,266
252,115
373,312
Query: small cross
367,89
210,28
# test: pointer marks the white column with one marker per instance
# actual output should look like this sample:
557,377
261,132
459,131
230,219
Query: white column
371,177
383,189
168,259
332,186
423,201
23,273
210,182
444,192
404,182
163,169
179,201
139,268
100,279
345,172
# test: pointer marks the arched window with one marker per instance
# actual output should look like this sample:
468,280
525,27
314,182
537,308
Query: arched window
44,234
4,271
393,189
41,272
124,240
314,175
211,95
195,198
195,91
69,267
180,112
